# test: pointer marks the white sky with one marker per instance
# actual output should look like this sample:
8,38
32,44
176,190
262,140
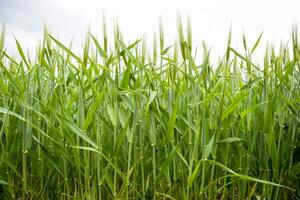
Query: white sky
211,20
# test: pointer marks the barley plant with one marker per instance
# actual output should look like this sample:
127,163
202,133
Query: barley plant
128,121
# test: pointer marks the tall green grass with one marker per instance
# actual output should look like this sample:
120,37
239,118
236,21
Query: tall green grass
119,122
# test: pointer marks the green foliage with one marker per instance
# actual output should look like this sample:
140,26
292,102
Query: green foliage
117,122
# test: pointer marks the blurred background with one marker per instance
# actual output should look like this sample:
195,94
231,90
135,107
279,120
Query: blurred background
211,20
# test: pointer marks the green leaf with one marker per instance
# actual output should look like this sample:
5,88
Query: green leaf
243,58
296,168
68,51
6,111
256,43
153,132
193,175
245,177
122,136
22,54
112,114
120,173
234,105
2,182
208,148
165,50
77,131
230,140
100,50
93,108
171,124
151,98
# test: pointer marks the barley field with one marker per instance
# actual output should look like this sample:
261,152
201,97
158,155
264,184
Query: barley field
121,121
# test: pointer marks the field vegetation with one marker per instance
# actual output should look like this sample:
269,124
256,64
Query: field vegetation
120,122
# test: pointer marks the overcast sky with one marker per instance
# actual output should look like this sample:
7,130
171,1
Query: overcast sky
211,19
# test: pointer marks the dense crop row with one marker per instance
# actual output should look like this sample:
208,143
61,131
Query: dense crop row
121,122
